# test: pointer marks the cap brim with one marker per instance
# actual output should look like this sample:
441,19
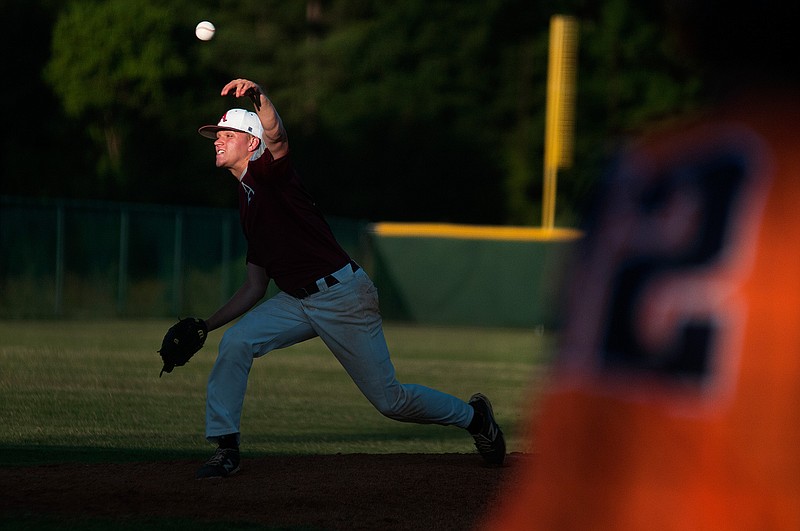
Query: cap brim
210,131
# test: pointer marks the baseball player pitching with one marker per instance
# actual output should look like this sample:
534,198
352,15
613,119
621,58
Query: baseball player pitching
323,293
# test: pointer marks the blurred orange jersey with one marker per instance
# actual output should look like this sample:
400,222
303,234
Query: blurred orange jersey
675,399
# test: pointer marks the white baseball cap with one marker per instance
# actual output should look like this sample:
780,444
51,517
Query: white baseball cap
237,120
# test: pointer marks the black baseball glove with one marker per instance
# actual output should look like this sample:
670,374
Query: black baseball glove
181,342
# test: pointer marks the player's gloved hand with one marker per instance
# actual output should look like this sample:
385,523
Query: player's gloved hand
181,342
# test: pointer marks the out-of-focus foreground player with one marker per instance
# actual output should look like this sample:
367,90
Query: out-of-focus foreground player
675,400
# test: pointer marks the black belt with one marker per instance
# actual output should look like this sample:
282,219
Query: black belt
313,288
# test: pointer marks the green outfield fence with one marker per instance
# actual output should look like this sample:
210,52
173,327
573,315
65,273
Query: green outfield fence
89,259
63,258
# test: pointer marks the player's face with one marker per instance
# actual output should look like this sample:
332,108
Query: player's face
231,149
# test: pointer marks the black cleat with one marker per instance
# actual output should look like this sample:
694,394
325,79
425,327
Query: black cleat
224,463
489,438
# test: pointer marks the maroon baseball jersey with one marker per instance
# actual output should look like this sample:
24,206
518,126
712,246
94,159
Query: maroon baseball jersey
286,233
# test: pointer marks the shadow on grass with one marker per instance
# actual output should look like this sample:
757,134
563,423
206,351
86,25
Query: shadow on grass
398,438
36,455
11,455
52,523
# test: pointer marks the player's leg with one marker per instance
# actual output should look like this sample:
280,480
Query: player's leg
277,323
347,319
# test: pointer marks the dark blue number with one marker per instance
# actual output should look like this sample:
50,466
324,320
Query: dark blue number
713,185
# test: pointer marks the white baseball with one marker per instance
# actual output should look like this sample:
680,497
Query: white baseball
205,30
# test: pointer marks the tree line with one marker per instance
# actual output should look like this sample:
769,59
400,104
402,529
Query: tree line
413,110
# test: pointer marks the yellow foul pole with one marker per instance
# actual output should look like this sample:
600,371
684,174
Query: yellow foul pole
560,117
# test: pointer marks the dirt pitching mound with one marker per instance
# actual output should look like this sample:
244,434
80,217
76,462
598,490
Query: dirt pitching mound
332,492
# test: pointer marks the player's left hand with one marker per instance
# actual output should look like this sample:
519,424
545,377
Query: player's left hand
181,342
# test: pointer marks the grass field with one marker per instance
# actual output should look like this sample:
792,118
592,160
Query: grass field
90,391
